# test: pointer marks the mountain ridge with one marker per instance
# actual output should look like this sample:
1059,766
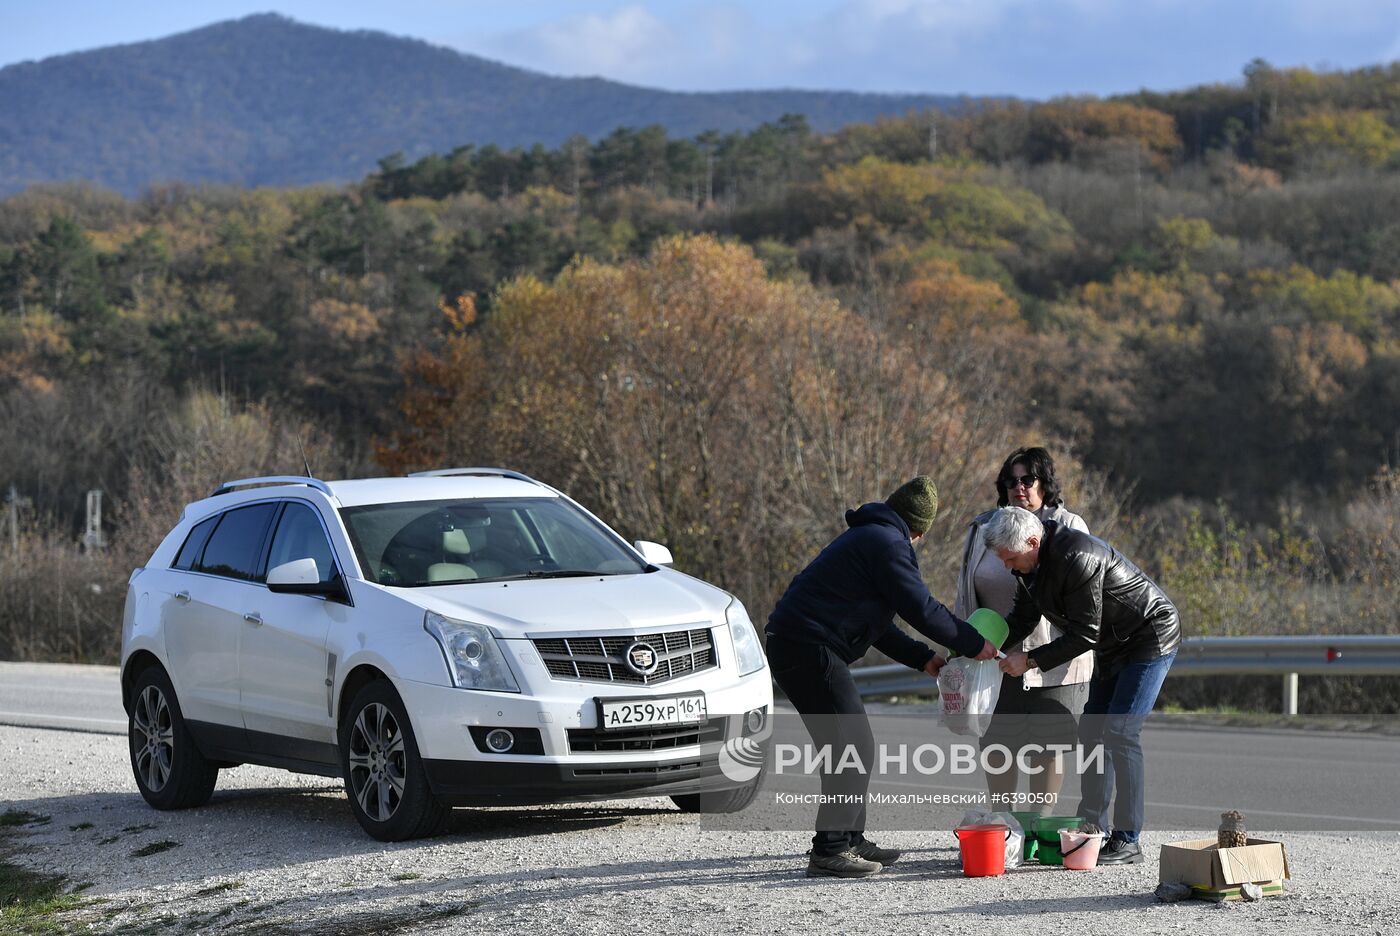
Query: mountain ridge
266,100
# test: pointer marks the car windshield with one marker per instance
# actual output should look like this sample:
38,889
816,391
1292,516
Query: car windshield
485,540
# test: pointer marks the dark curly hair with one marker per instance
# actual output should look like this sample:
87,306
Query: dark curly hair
1038,462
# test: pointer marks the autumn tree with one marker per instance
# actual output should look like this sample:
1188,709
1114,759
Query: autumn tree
691,399
1329,142
1101,132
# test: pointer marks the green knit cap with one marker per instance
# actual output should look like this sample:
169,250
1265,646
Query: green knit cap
917,502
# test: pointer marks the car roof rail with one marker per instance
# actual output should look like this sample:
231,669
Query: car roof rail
316,483
498,472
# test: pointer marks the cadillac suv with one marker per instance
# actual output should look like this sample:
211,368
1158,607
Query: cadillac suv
461,637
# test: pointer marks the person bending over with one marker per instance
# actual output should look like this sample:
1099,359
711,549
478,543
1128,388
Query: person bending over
834,610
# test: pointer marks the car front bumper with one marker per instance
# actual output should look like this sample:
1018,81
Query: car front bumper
461,774
500,783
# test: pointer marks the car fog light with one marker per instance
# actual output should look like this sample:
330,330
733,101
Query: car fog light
753,721
500,741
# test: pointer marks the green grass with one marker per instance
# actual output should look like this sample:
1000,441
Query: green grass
154,848
371,924
220,914
405,876
218,888
1210,710
30,901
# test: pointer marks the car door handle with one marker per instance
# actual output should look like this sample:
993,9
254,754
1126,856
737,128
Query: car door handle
182,596
254,618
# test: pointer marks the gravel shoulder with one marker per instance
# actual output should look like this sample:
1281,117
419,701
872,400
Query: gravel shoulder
276,853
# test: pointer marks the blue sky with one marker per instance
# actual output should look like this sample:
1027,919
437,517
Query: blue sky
1030,48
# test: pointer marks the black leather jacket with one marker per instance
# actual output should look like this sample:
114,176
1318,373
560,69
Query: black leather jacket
1099,599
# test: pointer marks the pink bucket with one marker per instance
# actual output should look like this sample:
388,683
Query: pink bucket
1080,849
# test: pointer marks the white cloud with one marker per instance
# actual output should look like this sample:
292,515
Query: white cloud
1031,47
621,43
867,25
724,31
1338,14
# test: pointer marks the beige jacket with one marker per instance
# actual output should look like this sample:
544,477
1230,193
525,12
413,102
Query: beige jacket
1077,670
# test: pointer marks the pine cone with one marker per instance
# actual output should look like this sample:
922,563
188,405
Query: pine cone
1232,833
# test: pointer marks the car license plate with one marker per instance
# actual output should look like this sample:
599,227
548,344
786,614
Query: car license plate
620,714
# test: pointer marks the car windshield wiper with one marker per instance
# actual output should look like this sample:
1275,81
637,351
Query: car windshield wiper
540,574
435,583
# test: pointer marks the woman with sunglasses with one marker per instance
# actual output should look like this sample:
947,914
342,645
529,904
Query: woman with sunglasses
1039,708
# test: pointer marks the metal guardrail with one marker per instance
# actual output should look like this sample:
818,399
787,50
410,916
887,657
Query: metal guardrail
1366,655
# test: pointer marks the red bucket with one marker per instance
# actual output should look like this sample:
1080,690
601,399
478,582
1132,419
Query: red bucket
983,849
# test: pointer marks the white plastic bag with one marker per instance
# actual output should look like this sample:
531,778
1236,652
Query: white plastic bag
1015,842
967,695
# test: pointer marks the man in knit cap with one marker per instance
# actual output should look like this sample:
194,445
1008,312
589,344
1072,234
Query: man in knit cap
836,608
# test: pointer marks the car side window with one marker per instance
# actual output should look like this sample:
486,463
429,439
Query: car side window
235,546
300,536
194,544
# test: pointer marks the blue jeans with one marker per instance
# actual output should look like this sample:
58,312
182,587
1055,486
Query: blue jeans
1119,702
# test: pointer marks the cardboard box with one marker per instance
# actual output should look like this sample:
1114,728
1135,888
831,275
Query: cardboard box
1273,888
1216,873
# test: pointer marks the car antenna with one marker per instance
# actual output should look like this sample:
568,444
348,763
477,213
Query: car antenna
306,464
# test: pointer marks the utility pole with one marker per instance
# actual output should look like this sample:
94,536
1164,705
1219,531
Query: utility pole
709,176
93,537
577,164
13,503
1137,178
12,517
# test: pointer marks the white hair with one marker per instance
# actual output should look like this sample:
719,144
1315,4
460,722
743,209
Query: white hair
1012,528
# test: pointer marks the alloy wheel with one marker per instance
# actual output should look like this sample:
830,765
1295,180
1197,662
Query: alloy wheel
377,762
155,738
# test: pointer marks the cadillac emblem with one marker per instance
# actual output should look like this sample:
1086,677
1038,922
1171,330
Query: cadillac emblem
641,658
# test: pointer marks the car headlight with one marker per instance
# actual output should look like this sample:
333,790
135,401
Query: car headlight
473,658
746,647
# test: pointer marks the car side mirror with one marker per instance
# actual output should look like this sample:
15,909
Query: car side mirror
654,553
302,577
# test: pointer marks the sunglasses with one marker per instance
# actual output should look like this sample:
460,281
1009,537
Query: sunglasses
1026,481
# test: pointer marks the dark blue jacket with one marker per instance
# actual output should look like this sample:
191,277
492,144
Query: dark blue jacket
847,597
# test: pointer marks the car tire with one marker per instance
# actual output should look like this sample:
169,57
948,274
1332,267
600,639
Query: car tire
722,801
384,777
170,771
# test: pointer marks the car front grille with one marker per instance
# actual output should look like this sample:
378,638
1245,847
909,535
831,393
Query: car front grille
589,740
601,659
661,770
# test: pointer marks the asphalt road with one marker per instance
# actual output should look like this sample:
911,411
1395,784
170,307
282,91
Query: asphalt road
278,853
1288,779
1298,778
57,695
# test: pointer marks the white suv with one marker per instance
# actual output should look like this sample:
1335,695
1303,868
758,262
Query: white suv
460,637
